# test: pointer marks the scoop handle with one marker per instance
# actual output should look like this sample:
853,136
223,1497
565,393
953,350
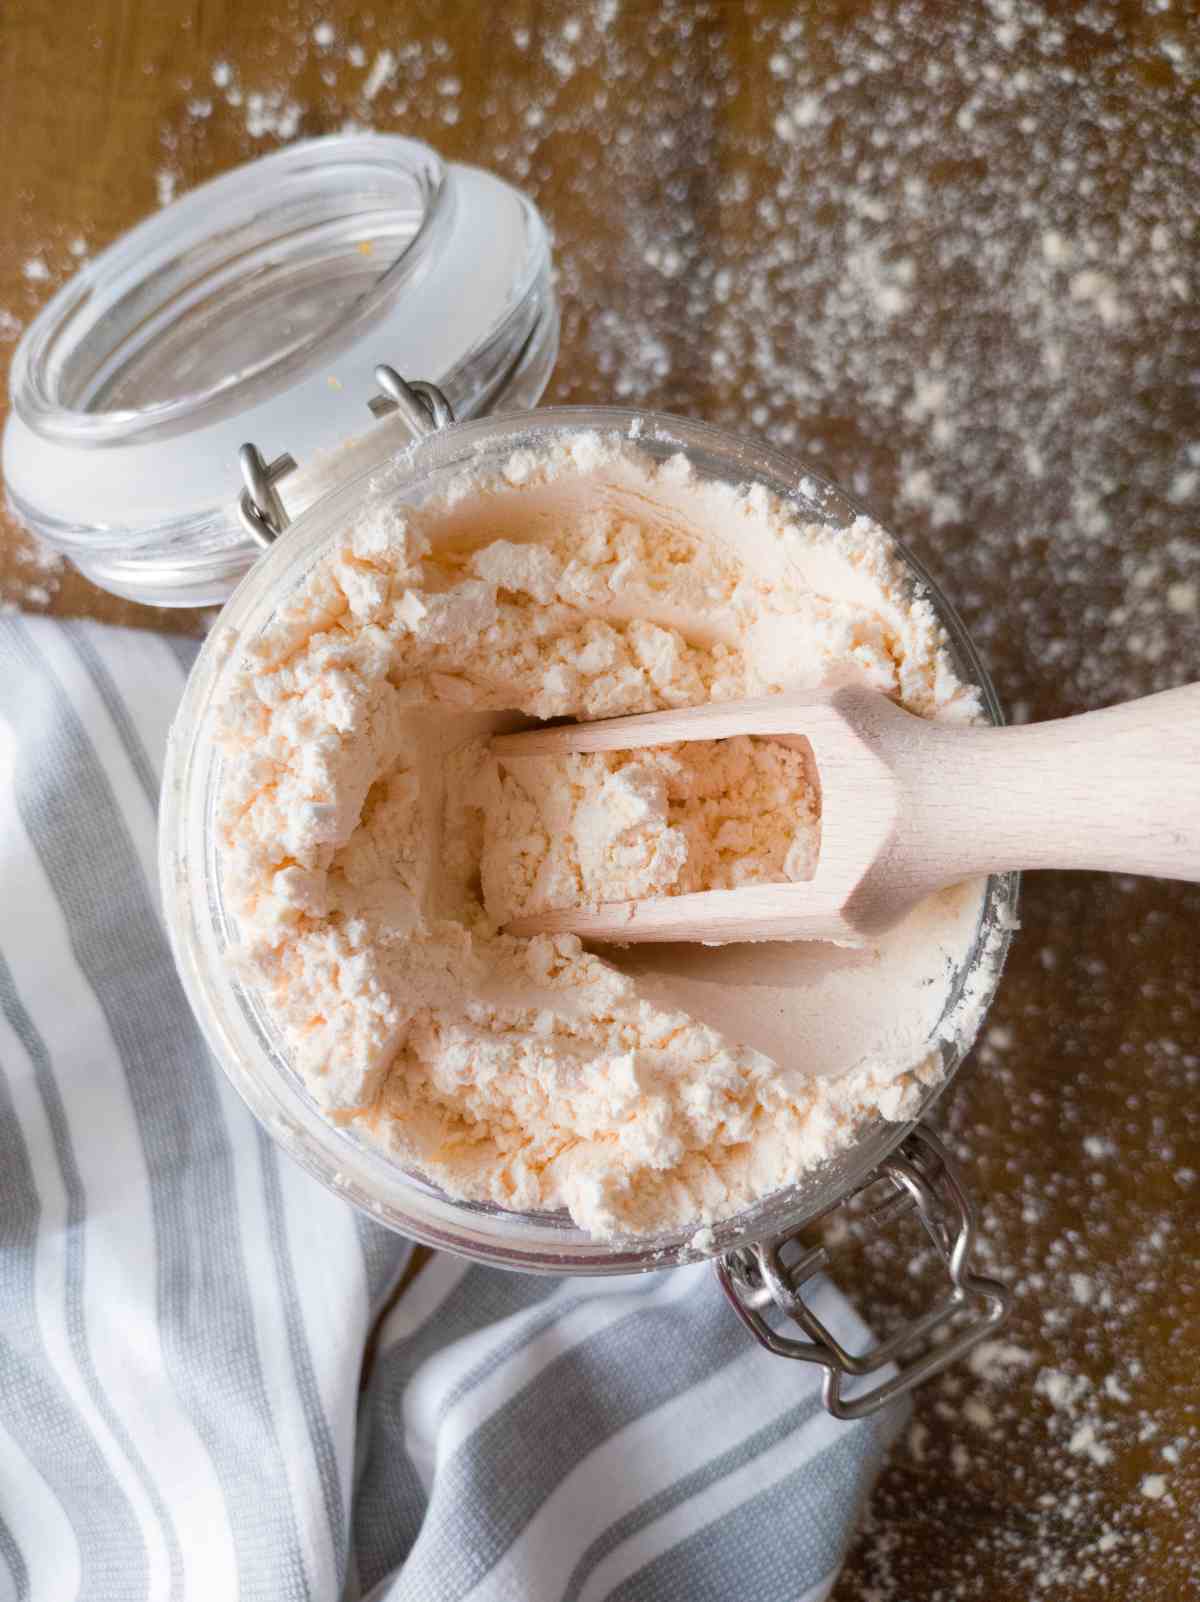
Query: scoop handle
1116,790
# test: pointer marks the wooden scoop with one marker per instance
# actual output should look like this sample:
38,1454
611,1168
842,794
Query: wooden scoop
909,806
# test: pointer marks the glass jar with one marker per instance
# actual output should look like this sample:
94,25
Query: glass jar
256,307
754,1250
251,321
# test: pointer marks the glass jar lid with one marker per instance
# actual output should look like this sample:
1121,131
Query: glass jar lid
256,308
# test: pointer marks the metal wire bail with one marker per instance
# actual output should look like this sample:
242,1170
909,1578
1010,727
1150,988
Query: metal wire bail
758,1279
422,405
260,509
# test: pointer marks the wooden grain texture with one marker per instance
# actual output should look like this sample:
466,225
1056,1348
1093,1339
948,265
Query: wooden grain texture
948,255
909,807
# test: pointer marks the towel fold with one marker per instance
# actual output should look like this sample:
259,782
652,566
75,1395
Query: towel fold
184,1313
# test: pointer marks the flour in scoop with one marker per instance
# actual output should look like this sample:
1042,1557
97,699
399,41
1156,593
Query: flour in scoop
578,830
372,847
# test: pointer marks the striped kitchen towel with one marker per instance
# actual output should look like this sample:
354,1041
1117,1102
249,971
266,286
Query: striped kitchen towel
187,1320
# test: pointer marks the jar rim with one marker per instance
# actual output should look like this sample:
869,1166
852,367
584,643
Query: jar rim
191,248
255,309
190,874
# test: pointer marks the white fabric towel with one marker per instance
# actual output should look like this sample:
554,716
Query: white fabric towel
185,1316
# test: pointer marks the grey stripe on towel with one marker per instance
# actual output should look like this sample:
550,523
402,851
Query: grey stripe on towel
204,1301
37,1410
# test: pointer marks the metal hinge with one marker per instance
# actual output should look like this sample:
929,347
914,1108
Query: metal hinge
261,511
759,1279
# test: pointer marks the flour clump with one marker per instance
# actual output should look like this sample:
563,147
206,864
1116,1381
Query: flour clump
372,847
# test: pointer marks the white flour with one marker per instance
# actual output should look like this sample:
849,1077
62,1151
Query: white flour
612,826
644,1097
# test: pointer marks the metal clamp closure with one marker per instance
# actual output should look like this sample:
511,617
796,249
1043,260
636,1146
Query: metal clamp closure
422,405
758,1278
261,511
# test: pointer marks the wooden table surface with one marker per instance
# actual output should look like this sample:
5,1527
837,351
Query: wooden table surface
947,255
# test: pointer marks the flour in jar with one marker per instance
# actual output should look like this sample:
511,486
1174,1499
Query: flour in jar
373,848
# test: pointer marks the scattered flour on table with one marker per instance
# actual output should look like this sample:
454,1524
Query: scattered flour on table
32,577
